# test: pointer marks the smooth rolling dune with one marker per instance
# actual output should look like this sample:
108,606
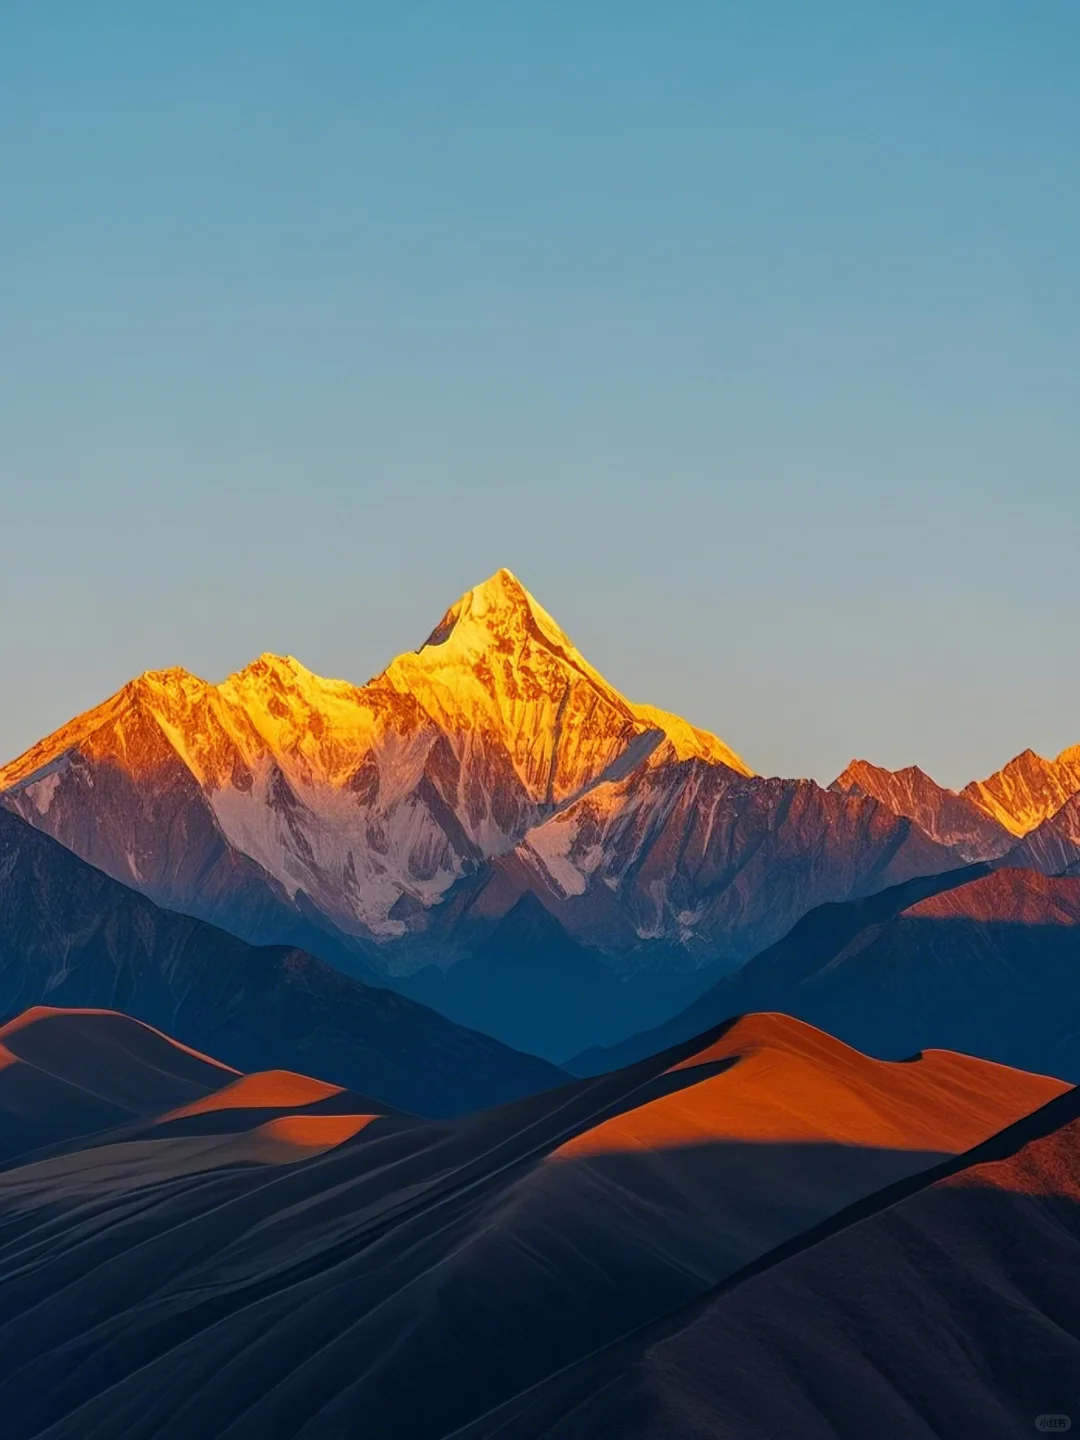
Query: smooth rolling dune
415,1276
262,1090
951,1311
66,1073
112,1168
301,1134
791,1082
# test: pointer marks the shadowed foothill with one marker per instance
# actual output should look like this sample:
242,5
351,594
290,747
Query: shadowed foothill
280,1263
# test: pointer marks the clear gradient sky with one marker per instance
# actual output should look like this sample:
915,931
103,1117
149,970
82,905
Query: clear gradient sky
747,335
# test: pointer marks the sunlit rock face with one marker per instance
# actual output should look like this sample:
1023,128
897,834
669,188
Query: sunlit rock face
1028,811
372,801
692,854
1054,846
491,761
957,821
1028,790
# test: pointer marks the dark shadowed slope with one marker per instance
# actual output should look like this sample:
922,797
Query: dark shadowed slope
536,988
990,967
809,946
188,1277
66,1073
71,936
953,1311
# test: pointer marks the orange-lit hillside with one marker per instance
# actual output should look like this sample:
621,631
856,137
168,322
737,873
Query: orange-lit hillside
789,1082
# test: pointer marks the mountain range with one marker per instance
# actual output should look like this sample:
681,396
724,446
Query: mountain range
986,819
415,831
391,828
278,957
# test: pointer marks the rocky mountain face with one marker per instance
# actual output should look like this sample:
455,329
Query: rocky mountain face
951,819
394,824
71,936
278,790
1028,790
1026,816
986,819
691,855
1054,846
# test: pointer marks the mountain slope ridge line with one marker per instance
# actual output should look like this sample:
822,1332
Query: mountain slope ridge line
1002,1145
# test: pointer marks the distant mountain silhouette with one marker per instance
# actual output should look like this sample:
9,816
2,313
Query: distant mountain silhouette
535,987
987,817
950,819
983,961
71,936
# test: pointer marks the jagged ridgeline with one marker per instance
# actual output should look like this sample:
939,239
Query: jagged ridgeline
396,827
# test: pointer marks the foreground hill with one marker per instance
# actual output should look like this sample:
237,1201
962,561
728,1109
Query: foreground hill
987,962
68,1073
80,1080
272,1259
969,1325
393,825
71,936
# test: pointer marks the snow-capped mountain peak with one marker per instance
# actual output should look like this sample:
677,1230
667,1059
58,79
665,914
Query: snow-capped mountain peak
498,608
372,800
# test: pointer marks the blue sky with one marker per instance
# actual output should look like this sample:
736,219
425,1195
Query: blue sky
747,335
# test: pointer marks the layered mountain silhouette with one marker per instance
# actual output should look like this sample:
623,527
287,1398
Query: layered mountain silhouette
392,826
408,831
71,936
267,1254
529,982
982,960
